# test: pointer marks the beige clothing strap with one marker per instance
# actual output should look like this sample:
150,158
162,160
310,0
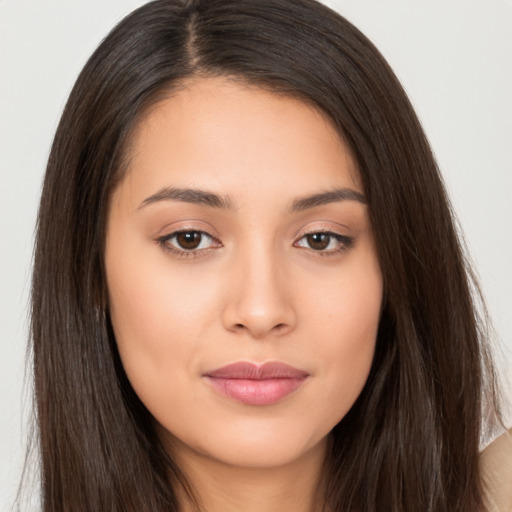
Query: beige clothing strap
496,462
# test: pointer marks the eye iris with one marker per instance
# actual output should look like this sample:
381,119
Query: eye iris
189,239
318,241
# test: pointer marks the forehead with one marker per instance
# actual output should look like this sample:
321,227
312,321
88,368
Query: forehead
218,132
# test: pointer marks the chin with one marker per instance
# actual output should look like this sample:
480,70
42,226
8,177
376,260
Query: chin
247,445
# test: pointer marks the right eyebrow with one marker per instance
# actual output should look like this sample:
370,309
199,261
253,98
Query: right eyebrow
189,195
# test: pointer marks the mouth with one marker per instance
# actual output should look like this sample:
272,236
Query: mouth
253,384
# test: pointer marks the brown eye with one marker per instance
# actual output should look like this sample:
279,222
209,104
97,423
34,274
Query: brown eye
318,241
189,240
325,242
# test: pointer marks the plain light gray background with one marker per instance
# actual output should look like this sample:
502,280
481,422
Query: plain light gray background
454,58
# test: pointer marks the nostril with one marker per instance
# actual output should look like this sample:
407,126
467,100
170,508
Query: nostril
276,328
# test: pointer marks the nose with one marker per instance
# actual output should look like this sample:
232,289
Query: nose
260,303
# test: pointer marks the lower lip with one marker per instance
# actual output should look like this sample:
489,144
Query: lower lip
256,391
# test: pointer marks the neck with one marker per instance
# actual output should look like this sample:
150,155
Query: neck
218,487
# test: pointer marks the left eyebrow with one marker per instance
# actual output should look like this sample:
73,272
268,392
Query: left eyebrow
331,196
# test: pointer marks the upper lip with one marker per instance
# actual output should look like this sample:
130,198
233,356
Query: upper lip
253,371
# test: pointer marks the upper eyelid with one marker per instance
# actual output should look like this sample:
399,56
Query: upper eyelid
166,233
300,235
324,226
325,231
169,231
175,232
319,230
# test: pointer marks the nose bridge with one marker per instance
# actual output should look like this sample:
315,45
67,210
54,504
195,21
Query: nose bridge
260,302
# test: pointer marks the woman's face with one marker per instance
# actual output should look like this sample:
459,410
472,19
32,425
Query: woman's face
244,286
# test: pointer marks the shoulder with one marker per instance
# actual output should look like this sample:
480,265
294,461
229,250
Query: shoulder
496,464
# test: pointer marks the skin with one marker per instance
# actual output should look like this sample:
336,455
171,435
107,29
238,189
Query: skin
255,289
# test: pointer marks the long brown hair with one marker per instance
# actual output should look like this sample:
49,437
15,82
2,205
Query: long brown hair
410,442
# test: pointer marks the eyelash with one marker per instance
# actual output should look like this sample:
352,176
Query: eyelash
164,242
345,242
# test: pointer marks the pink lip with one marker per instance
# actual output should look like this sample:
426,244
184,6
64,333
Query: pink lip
254,384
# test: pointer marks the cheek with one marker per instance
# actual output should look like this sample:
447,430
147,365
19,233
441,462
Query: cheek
157,318
345,319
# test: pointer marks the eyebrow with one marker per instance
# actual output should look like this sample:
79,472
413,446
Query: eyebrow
331,196
189,195
203,197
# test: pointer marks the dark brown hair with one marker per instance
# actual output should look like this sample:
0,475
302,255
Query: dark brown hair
410,442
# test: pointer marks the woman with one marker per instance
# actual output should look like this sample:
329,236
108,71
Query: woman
248,290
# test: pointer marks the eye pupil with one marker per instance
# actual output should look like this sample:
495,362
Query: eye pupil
318,241
189,239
